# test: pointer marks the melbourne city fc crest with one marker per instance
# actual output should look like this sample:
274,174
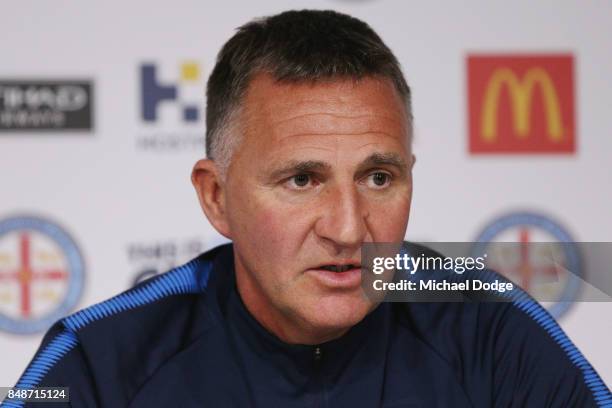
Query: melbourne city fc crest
41,274
538,254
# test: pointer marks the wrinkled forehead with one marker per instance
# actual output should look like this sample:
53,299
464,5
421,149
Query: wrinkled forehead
275,110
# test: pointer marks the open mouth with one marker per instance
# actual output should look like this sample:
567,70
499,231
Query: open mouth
339,268
341,275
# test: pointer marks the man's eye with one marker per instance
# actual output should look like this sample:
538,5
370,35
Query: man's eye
300,181
378,179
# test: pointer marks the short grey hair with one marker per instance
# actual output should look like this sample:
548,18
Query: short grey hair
293,47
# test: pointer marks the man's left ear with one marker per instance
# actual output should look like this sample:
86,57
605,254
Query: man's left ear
412,161
209,185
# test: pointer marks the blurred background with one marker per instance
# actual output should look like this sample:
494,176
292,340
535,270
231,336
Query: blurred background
101,121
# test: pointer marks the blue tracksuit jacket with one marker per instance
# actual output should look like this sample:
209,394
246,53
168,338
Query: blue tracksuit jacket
184,339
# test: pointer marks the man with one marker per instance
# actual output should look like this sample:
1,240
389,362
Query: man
309,132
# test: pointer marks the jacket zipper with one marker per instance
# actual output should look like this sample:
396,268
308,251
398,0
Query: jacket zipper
319,400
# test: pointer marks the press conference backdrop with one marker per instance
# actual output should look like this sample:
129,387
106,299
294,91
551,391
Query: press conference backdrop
101,120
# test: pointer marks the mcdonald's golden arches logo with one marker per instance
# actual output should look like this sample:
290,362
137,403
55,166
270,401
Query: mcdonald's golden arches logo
521,104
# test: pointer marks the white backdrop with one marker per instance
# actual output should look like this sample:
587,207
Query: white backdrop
122,190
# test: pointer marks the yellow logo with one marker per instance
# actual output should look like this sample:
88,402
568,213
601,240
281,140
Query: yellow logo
521,96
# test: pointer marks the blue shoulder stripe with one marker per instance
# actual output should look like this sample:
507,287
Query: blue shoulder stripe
189,278
183,279
526,304
42,363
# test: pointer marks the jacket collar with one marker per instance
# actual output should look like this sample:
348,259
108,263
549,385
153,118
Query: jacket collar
295,360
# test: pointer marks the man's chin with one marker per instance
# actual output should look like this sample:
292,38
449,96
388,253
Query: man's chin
332,316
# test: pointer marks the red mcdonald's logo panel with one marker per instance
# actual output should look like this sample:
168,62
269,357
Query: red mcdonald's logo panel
521,103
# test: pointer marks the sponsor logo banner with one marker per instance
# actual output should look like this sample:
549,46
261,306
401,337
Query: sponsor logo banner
171,107
49,105
521,104
154,257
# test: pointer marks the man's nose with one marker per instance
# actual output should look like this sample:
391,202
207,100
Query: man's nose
343,217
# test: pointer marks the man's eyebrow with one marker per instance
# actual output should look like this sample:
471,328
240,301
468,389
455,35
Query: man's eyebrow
298,166
385,159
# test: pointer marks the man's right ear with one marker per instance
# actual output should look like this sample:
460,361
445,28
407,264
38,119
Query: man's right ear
210,187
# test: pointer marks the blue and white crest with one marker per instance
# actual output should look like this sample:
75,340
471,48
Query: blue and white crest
536,230
41,274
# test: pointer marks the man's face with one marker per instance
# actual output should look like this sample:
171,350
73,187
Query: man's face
321,169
